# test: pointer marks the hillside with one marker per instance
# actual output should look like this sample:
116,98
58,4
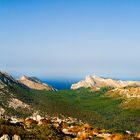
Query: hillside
17,98
7,80
10,89
35,83
97,82
97,108
53,128
94,107
130,96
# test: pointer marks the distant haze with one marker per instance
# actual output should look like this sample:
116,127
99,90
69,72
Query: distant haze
68,39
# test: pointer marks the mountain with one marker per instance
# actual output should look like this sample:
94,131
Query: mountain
11,91
17,97
35,83
98,82
7,80
103,108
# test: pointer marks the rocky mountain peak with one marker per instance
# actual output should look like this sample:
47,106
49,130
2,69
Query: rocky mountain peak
89,79
23,77
6,78
97,82
34,79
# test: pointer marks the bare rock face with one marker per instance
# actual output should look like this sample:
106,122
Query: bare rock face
95,81
34,83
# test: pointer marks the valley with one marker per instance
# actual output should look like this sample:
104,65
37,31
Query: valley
116,110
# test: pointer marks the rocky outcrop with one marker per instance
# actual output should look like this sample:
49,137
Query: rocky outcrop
75,129
64,128
5,137
1,111
98,82
16,137
127,92
34,83
15,103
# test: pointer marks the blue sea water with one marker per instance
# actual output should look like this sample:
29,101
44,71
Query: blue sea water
60,84
66,83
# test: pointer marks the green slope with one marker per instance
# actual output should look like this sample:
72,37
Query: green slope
93,107
89,106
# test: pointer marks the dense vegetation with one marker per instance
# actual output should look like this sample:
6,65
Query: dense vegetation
89,106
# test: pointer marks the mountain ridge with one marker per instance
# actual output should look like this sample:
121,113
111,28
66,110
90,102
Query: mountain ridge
10,89
7,80
98,82
35,83
15,96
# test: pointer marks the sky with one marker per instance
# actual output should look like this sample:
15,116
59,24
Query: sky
70,38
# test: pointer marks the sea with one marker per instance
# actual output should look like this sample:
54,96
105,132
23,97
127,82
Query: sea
63,84
60,84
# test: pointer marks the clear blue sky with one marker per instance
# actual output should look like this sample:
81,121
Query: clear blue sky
70,38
